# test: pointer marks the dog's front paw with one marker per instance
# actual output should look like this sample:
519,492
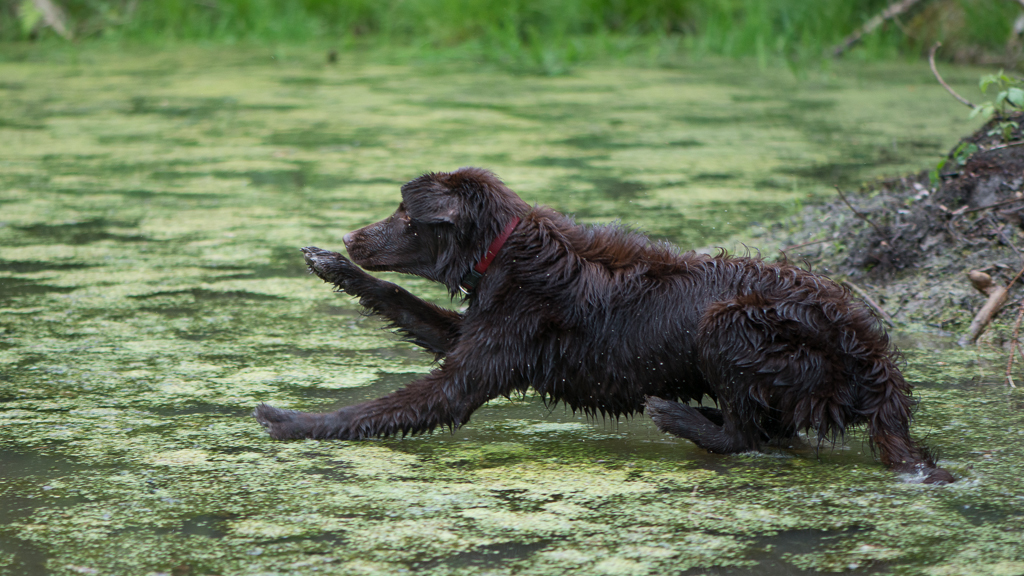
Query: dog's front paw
322,261
332,267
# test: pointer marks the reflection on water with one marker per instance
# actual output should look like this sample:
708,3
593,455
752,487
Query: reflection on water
152,292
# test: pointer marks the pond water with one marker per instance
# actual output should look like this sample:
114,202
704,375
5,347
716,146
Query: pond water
151,293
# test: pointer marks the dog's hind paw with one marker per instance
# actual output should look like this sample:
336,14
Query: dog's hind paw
669,416
688,422
283,424
939,476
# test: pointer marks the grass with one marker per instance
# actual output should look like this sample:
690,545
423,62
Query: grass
533,35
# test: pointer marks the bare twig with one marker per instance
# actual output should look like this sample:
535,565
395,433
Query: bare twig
954,233
1010,145
1014,343
861,215
935,71
994,205
870,302
802,244
891,11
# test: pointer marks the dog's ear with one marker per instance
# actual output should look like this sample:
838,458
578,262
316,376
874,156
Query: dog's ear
434,208
428,200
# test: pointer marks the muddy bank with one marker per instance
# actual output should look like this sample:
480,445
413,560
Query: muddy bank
910,241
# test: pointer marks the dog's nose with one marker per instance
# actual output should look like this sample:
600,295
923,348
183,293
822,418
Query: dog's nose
347,239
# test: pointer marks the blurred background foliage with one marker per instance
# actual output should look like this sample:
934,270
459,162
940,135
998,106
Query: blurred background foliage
549,34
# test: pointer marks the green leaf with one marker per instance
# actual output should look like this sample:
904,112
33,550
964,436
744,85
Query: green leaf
1015,96
28,16
984,109
964,152
987,81
935,175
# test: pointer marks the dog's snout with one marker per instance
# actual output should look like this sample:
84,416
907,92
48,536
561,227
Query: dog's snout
348,238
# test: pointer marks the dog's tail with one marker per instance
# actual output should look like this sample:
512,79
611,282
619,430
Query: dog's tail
888,413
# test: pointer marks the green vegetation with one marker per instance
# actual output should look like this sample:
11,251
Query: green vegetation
961,154
537,35
1003,111
152,292
1009,97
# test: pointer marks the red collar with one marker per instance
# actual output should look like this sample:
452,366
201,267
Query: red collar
473,277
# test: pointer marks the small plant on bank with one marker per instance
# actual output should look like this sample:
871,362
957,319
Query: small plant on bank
1009,97
1003,112
962,153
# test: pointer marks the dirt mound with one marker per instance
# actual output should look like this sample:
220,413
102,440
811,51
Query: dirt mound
910,241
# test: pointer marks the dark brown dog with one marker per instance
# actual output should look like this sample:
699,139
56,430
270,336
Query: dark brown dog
608,322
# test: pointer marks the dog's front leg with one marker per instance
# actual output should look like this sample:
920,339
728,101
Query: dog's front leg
445,398
422,323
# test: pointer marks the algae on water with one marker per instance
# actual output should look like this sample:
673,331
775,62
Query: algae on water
152,292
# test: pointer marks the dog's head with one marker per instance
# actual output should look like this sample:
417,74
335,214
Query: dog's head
442,227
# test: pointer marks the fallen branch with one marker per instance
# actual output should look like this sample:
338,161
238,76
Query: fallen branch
981,320
981,281
891,11
935,71
870,302
997,296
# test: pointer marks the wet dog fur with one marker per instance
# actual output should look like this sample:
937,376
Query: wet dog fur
609,322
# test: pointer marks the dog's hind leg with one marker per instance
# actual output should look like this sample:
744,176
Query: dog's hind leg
691,423
713,414
800,361
422,323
